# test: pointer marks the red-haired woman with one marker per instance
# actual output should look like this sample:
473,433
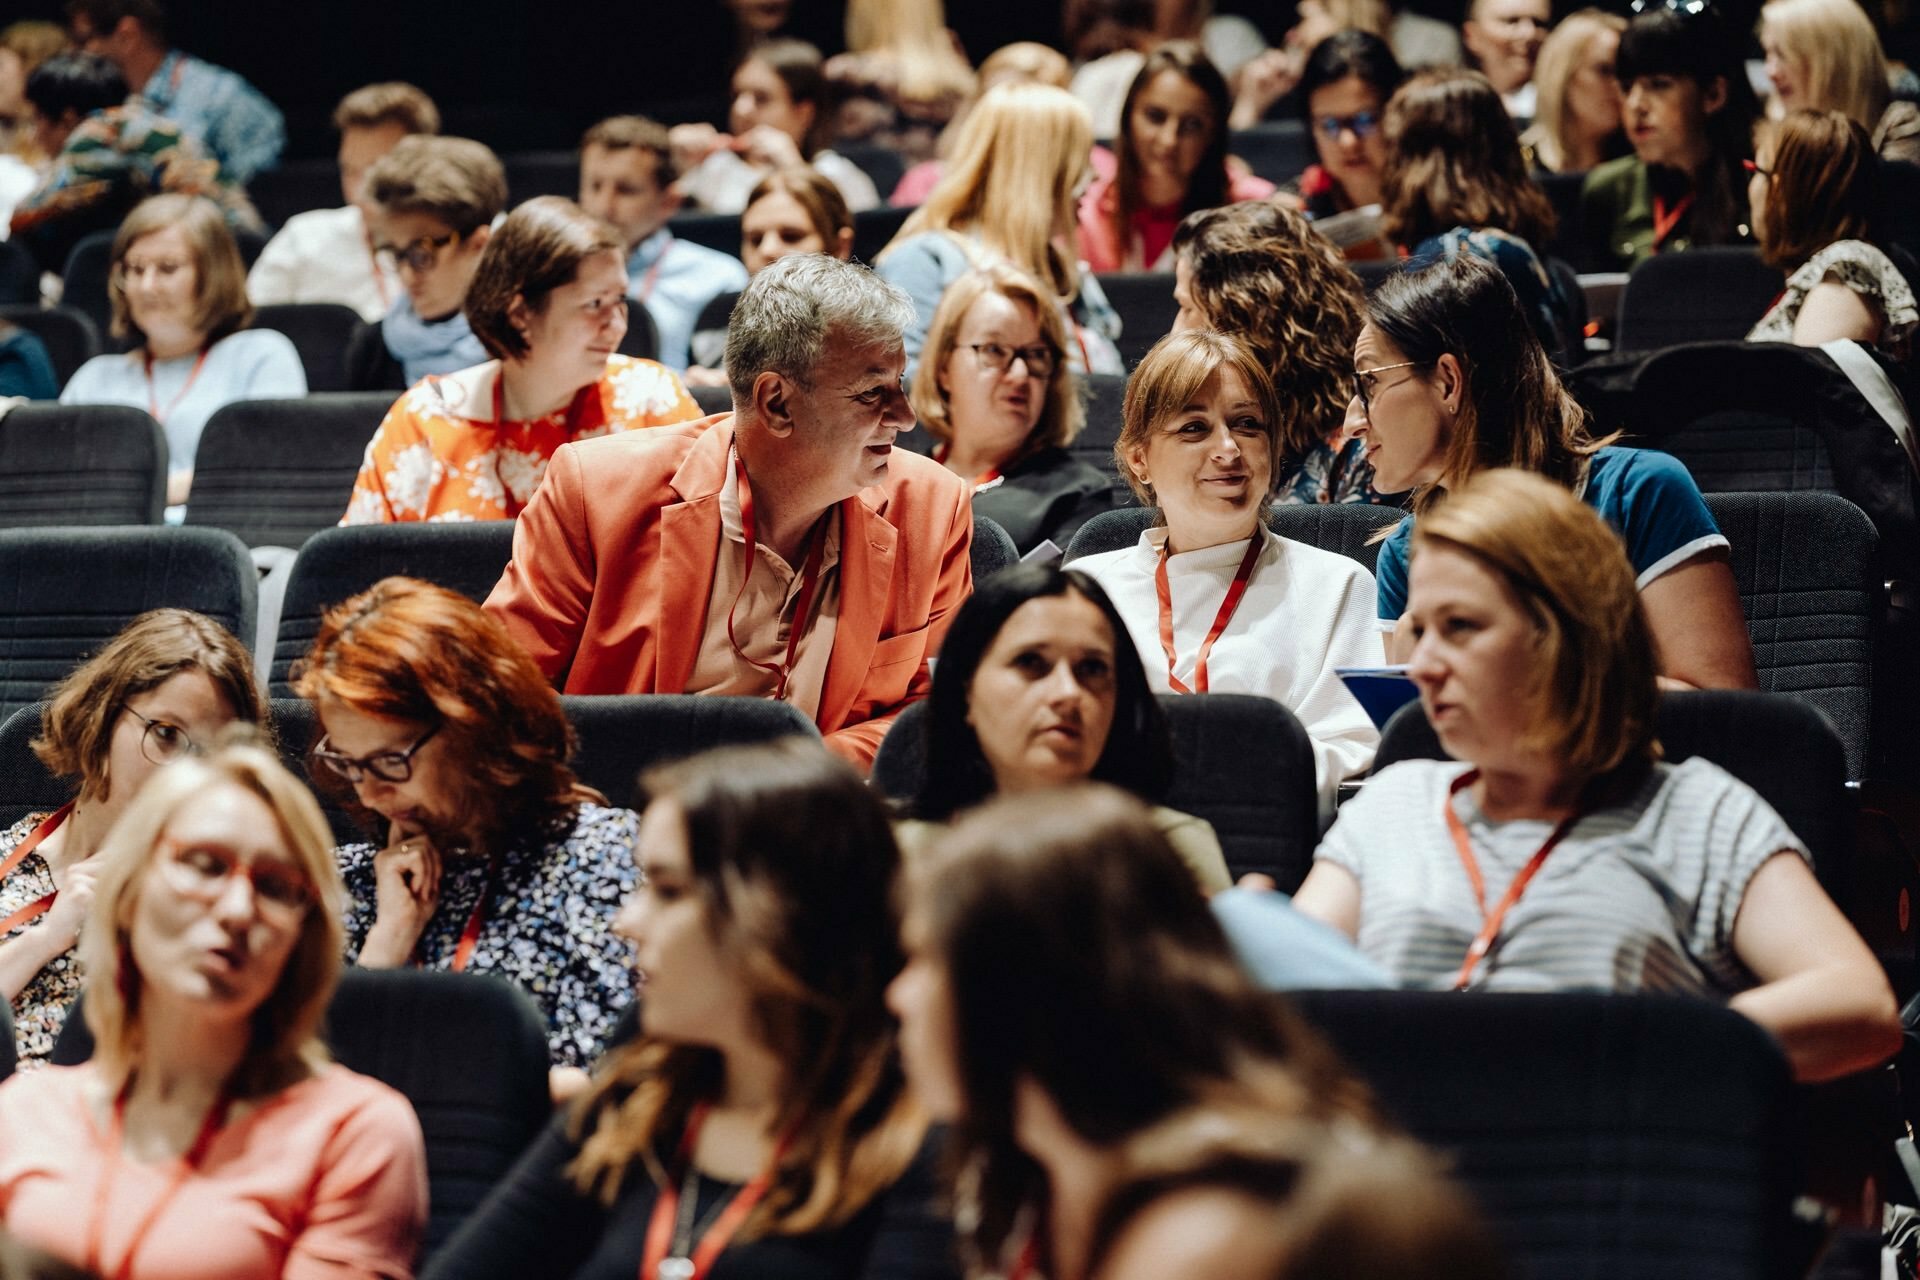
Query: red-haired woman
493,858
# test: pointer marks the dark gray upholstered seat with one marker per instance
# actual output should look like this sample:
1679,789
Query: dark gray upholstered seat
295,186
1277,150
1344,527
1144,301
1715,291
276,472
25,785
992,549
19,275
715,399
70,337
642,337
873,230
622,736
1105,394
541,173
81,464
320,332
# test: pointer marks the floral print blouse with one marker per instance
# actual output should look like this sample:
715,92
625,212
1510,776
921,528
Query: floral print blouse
40,1010
431,461
1865,270
548,923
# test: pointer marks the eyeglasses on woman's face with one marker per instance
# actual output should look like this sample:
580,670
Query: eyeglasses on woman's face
999,357
1363,123
201,870
420,255
1365,386
162,742
388,766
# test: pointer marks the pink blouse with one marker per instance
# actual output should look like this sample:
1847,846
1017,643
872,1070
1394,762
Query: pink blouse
1149,245
326,1178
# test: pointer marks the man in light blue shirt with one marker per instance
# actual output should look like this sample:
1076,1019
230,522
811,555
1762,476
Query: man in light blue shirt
626,175
215,107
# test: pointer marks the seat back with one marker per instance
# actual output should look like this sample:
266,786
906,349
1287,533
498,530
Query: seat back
1603,1136
320,332
1344,527
81,464
335,564
873,230
992,548
25,784
1563,191
70,338
1144,302
84,280
1715,291
19,275
719,231
883,164
624,735
276,472
720,400
642,338
1277,150
541,173
718,312
1104,394
68,591
295,186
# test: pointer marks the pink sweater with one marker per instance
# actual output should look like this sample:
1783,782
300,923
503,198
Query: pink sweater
326,1178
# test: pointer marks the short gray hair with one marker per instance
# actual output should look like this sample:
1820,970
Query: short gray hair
782,322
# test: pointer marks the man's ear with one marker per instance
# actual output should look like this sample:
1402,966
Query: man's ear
773,404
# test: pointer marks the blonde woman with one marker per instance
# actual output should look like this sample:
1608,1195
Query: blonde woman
1824,55
903,76
1576,122
210,1138
1010,194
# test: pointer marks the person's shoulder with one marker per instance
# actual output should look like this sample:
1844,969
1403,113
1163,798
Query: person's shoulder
322,223
252,345
101,371
654,448
642,383
1305,558
1208,1228
914,478
1612,173
45,1091
595,823
710,258
336,1095
1623,471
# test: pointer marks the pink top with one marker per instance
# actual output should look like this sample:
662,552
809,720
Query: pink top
918,182
1153,229
326,1178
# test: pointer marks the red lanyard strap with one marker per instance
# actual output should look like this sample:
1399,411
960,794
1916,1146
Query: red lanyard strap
1491,921
1235,591
39,906
153,402
655,1263
203,1141
1665,219
809,586
470,935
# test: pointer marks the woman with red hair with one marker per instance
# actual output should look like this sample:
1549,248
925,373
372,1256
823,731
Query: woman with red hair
491,857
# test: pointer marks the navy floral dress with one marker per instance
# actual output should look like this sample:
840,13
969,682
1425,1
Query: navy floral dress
548,926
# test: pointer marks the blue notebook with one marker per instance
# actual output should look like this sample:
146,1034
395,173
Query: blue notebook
1381,690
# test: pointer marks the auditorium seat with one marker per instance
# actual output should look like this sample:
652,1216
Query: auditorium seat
320,332
295,186
1344,527
992,549
873,230
91,464
1105,394
541,173
1144,302
70,337
622,736
19,275
1716,291
642,338
25,785
713,399
1277,150
717,313
276,472
719,231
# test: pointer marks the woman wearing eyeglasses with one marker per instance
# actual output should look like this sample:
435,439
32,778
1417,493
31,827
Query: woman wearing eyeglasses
1345,87
159,690
549,302
209,1137
996,393
490,857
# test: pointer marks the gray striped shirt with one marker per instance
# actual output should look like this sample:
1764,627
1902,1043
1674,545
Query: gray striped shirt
1638,897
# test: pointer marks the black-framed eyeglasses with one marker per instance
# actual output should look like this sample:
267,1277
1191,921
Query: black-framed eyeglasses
1363,123
161,742
1363,380
999,357
1753,166
388,766
421,254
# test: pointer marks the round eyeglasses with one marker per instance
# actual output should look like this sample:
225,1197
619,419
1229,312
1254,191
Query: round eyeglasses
161,742
420,255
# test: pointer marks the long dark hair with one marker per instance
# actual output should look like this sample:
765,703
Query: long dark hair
1138,756
1207,189
1701,48
1349,53
1453,159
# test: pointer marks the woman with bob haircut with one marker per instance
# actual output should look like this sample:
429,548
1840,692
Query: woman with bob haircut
161,689
1009,195
759,1124
1260,272
1215,601
1172,162
179,291
1824,55
1456,183
1815,193
1124,1101
1451,381
1536,664
1039,686
999,398
488,855
1689,114
1344,89
1576,121
210,1137
549,302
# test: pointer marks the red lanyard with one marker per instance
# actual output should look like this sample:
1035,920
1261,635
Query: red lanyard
1491,921
1241,577
39,906
1027,1265
470,936
96,1235
666,1212
809,586
1665,219
153,402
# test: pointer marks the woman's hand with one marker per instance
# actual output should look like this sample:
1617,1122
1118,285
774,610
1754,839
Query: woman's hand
768,148
1263,82
63,918
406,893
692,143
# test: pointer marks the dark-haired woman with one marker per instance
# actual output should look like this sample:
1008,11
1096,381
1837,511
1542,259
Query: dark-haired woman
549,303
1689,114
1173,161
1344,91
760,1124
1814,192
1452,381
489,856
1038,686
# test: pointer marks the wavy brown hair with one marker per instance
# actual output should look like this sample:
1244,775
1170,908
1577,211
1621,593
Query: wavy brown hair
1825,187
1260,272
1454,160
1168,377
794,861
409,650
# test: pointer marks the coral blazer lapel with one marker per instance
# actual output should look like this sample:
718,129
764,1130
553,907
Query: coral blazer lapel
689,543
868,546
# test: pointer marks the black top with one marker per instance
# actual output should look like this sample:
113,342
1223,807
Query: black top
1049,494
535,1223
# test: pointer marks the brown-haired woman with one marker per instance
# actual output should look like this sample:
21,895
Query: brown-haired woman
1614,871
179,290
489,856
209,1136
1814,189
1456,183
159,690
760,1124
1261,273
549,302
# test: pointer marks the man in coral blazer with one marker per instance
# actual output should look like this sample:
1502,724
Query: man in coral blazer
782,550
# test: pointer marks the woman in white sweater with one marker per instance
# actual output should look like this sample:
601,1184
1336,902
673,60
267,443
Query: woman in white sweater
1214,600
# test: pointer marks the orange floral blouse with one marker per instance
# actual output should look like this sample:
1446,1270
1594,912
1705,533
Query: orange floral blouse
433,459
